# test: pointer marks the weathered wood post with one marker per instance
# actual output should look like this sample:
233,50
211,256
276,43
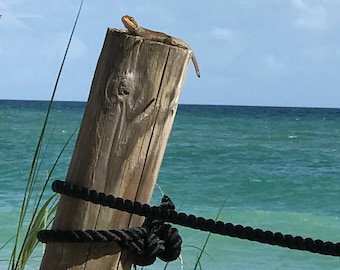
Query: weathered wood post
121,143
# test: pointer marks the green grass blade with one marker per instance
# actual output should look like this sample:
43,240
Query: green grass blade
38,224
14,261
38,213
205,253
209,234
7,242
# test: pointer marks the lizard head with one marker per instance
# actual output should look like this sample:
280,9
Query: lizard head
130,23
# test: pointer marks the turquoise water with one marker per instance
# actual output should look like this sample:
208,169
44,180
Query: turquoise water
278,168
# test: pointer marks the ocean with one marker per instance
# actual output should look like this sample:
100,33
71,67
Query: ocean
277,169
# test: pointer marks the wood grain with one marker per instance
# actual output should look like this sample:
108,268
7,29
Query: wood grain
120,146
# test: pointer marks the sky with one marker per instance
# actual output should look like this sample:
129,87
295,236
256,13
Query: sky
250,52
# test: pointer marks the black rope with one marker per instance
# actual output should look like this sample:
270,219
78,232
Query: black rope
218,227
154,239
145,245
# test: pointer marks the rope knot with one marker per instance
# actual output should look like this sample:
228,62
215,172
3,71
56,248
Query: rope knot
162,241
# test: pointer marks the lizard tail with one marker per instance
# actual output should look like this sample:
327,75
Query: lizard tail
194,61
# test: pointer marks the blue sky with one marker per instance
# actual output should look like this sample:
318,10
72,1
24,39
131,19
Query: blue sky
250,52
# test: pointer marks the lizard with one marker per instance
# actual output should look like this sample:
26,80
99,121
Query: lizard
134,29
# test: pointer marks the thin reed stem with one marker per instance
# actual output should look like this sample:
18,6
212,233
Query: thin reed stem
16,259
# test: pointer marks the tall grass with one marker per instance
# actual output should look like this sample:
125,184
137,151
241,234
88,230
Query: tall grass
25,240
202,250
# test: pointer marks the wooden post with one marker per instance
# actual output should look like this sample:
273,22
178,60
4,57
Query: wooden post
120,146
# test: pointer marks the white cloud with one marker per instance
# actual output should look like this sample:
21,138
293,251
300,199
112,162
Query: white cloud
29,16
223,34
268,67
273,63
10,20
310,16
53,46
78,48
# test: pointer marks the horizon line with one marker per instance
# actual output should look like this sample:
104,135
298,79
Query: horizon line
192,104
